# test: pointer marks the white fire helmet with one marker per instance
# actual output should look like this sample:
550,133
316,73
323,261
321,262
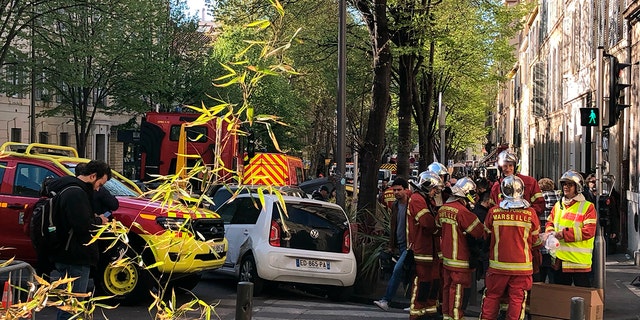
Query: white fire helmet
507,156
512,188
438,168
573,176
428,180
465,188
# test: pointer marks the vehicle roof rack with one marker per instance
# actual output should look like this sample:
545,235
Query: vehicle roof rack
39,149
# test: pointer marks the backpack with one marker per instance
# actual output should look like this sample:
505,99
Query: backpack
45,235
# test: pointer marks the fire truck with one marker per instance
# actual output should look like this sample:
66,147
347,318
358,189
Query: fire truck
274,169
160,137
165,138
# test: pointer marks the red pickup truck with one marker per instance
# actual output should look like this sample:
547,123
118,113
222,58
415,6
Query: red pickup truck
180,242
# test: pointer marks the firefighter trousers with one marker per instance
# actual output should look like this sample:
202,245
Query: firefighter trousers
453,285
515,286
425,291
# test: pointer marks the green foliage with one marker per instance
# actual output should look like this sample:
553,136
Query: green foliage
168,66
273,97
472,51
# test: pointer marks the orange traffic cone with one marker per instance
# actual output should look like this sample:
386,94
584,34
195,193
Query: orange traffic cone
7,295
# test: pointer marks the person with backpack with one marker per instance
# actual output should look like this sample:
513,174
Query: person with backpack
75,220
35,218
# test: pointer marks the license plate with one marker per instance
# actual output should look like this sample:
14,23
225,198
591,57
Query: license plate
218,248
313,264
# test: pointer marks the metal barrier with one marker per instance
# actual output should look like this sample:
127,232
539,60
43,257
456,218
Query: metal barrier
15,278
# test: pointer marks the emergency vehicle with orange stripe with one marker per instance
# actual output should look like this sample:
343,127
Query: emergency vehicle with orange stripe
166,136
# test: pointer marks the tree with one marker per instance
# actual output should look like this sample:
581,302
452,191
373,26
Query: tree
19,16
312,113
468,45
374,15
169,66
117,57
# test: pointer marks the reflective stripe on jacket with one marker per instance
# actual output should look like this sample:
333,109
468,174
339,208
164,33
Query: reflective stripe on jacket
456,222
514,233
577,222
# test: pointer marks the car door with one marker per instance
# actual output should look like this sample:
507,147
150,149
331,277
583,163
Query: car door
20,189
240,217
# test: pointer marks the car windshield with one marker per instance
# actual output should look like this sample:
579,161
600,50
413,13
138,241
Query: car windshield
224,193
115,186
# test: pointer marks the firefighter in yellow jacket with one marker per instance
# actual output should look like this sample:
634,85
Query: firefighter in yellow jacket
573,222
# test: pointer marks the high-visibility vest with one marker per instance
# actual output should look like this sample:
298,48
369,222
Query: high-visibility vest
574,255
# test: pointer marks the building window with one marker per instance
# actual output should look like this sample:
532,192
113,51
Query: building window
43,137
16,135
64,139
14,77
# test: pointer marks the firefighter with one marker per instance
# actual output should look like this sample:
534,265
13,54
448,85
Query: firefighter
573,222
507,162
513,229
424,243
442,171
387,196
457,223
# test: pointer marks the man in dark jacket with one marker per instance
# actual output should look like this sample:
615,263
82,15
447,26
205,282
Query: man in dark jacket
76,219
397,238
321,194
103,201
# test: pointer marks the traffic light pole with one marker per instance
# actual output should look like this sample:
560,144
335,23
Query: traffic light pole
599,246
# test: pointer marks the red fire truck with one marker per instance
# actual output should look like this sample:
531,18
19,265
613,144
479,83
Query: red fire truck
160,139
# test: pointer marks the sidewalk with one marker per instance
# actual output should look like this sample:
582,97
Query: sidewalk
622,299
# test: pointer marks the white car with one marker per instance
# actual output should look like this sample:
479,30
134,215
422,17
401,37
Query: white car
309,243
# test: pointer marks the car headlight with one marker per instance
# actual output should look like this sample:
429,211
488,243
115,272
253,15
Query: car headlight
175,224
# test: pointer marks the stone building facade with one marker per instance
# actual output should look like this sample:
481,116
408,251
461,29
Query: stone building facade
538,109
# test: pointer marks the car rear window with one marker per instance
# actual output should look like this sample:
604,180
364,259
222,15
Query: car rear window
311,227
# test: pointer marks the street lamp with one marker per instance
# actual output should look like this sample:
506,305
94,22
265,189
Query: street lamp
341,116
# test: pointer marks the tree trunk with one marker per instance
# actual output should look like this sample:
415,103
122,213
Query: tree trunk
407,82
423,115
373,145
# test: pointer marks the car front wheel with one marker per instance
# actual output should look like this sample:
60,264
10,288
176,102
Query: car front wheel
125,280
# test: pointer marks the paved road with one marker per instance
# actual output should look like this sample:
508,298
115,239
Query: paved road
282,303
622,301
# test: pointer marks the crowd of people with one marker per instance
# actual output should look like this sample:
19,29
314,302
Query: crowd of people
510,232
